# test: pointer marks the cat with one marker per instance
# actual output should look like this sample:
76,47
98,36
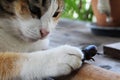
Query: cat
25,26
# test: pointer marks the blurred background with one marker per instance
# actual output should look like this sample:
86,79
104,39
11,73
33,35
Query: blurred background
78,9
78,27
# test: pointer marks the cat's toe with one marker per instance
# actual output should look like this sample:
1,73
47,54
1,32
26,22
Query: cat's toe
70,59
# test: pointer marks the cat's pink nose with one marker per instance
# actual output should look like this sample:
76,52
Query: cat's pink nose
43,33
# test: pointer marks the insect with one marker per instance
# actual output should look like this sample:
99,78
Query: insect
89,52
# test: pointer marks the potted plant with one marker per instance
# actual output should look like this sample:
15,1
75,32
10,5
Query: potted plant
107,13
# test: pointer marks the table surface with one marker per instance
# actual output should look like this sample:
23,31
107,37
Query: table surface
78,33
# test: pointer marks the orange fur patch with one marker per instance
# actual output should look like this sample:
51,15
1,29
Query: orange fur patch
21,8
9,67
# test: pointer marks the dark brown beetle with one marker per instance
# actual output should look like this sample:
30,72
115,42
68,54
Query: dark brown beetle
89,52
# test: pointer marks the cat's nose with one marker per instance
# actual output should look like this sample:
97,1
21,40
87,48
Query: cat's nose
43,33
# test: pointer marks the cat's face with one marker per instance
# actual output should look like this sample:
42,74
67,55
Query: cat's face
29,20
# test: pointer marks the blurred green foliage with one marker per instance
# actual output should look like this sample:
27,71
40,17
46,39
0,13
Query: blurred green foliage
78,9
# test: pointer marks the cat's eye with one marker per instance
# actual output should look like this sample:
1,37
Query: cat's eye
43,2
35,10
56,14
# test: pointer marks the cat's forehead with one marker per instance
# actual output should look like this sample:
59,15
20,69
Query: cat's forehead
45,3
26,7
40,3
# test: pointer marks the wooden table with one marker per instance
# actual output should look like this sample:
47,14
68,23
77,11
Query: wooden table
78,34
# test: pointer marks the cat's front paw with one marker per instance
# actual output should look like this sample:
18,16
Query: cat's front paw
65,59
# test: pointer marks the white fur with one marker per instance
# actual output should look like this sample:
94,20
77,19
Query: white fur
52,63
15,35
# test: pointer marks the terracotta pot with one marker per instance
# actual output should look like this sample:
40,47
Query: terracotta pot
115,14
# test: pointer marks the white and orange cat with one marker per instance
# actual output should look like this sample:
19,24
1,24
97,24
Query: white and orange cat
24,29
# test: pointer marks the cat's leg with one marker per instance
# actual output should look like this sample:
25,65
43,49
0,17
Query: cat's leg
42,64
11,65
51,63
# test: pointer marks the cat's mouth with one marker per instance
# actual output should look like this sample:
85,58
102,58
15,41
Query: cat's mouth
28,39
32,40
42,35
